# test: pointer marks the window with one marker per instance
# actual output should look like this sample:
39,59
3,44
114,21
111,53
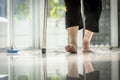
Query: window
21,23
0,11
3,24
27,23
103,37
56,32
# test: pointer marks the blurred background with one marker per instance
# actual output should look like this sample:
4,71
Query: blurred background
21,24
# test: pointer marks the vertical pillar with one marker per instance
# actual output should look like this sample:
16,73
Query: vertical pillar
118,23
114,23
45,27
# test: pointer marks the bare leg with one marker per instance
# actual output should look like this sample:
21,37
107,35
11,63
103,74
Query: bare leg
87,63
90,72
86,41
72,34
73,66
73,70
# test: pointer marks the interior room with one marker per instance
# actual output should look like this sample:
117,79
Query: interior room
33,39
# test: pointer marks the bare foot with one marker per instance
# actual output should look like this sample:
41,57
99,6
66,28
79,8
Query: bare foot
71,48
86,48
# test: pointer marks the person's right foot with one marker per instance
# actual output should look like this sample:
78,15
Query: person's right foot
71,48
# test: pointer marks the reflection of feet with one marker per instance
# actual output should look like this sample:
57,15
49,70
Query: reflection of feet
71,48
71,58
86,48
89,76
81,77
95,75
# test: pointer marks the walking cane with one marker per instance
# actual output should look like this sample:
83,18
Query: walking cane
45,27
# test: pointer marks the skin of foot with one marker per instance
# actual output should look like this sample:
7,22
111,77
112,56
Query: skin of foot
73,65
87,63
86,41
86,45
71,48
72,34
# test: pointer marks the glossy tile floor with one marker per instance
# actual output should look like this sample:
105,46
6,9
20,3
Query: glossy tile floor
58,65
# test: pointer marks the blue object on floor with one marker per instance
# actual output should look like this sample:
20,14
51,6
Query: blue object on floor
3,77
12,51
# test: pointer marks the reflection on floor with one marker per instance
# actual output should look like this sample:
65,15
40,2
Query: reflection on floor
59,65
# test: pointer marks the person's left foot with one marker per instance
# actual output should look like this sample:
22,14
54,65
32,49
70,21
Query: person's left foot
86,48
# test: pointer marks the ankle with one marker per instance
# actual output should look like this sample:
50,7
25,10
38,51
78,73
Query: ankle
86,42
74,44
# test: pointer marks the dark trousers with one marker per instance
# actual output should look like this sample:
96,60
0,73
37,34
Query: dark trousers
92,11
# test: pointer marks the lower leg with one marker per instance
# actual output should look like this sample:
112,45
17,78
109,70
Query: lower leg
72,66
72,34
73,70
87,63
86,41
